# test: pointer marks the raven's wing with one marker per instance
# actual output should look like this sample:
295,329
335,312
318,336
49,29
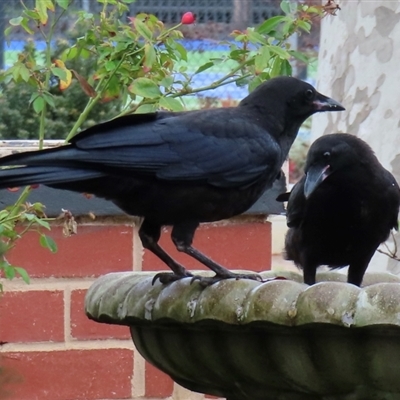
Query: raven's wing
296,204
220,147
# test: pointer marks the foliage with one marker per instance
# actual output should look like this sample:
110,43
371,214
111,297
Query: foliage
19,121
140,63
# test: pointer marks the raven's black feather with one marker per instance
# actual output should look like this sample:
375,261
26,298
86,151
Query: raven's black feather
342,209
180,169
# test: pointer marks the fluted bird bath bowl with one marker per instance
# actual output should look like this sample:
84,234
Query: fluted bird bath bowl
279,340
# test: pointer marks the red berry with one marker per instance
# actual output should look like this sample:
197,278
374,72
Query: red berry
187,18
35,186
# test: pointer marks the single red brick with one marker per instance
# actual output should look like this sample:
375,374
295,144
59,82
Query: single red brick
34,316
236,245
93,251
83,328
70,374
158,384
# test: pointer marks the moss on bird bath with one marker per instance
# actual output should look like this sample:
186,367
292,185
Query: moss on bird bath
247,340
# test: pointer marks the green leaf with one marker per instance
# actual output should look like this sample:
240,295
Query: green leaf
255,37
254,83
33,97
70,54
181,51
23,274
289,28
4,214
286,68
150,55
40,222
261,60
110,65
142,29
114,89
204,67
306,26
146,108
8,31
300,56
63,3
15,71
9,271
32,14
146,88
279,52
49,4
59,72
237,54
41,7
167,81
29,217
270,24
4,247
38,104
171,103
15,21
241,38
285,6
48,243
49,99
276,67
24,24
24,73
243,81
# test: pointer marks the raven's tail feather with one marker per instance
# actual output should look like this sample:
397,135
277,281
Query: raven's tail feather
66,154
46,175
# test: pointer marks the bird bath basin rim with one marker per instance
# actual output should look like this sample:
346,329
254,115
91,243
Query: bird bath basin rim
243,339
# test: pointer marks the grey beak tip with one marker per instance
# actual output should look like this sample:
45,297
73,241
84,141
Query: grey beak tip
338,107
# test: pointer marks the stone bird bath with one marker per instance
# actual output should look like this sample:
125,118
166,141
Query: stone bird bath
279,340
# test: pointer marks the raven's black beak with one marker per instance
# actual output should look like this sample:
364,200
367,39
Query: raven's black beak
315,176
324,103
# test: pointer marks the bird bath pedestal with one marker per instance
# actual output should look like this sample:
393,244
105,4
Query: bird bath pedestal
246,340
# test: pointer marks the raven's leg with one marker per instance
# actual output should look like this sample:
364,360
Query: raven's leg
182,236
149,235
357,269
309,272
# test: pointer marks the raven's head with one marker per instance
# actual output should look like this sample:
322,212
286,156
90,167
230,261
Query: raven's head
294,98
332,153
305,101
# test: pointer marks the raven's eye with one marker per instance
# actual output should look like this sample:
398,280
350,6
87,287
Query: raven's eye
327,155
309,94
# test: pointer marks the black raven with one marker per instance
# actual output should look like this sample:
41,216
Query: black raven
342,209
180,169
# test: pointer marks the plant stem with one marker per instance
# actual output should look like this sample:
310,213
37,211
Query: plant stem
90,104
25,193
21,199
221,82
93,101
46,83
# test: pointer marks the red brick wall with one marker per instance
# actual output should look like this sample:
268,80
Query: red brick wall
50,350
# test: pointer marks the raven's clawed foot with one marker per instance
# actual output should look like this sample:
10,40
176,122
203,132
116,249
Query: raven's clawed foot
209,280
169,277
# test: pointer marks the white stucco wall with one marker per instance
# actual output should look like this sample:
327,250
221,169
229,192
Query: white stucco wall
359,65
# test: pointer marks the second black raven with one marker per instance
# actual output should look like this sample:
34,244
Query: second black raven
180,169
342,209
